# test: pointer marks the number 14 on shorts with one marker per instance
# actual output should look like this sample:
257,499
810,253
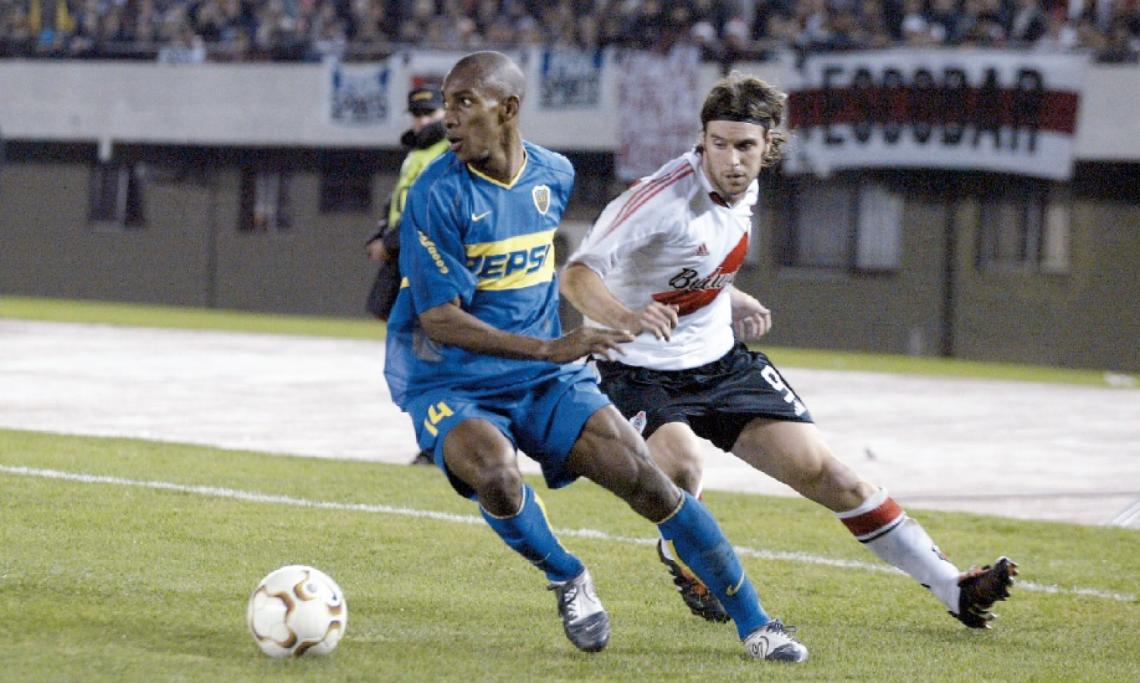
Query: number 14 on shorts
436,414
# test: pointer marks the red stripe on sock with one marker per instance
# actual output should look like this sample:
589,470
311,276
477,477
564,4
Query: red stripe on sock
870,522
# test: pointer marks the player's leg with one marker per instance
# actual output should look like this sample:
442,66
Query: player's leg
796,454
609,452
677,451
478,455
659,404
573,430
648,398
472,447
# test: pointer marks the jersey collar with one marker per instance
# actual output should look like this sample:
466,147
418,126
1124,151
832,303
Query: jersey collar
505,186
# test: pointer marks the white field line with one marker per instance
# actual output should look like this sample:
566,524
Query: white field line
255,497
1126,516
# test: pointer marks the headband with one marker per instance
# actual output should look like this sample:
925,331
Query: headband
765,122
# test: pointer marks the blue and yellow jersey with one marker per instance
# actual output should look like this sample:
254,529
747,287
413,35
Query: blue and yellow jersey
489,244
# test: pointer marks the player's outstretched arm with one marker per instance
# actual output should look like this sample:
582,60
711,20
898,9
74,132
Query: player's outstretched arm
450,324
584,341
750,319
585,289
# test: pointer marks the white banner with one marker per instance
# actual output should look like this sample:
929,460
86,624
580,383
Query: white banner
358,95
659,102
288,105
1004,111
570,79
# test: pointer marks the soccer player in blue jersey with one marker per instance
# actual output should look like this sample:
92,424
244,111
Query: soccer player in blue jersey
477,358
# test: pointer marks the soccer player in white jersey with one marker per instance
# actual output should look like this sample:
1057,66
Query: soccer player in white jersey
659,263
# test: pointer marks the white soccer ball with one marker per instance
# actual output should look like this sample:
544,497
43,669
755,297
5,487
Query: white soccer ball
297,610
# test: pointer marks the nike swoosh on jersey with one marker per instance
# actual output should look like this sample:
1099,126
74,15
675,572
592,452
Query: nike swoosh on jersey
476,217
733,590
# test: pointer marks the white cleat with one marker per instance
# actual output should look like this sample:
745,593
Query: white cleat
774,642
583,618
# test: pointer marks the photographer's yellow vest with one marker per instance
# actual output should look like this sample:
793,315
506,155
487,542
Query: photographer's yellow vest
413,164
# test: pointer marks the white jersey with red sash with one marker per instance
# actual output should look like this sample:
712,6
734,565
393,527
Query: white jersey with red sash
672,238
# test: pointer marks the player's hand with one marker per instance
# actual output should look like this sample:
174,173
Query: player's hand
656,318
750,319
584,341
377,251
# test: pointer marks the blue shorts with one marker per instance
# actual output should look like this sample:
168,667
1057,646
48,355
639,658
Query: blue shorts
543,419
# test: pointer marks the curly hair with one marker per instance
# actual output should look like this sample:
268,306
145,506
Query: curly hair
738,97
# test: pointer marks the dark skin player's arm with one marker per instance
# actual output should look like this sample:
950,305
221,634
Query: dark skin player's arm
586,290
450,324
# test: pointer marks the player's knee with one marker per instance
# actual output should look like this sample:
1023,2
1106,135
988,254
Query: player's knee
828,481
499,481
492,468
484,461
496,480
687,473
677,451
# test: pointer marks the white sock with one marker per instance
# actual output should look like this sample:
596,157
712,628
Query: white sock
886,529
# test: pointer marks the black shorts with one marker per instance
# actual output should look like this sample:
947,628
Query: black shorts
716,400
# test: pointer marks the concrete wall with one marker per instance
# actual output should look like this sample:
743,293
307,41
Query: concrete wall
1087,317
245,104
49,249
317,266
191,253
891,312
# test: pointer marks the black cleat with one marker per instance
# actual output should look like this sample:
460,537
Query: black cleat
696,595
981,588
422,458
583,618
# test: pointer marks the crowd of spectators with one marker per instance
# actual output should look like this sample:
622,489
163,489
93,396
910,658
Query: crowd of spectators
727,30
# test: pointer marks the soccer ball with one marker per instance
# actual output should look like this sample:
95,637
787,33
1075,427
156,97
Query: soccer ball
297,610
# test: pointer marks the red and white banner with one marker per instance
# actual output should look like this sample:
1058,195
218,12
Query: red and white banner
1004,111
659,107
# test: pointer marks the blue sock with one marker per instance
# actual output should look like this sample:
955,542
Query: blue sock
528,532
701,545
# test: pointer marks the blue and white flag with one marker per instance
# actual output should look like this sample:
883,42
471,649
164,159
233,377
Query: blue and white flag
358,94
570,79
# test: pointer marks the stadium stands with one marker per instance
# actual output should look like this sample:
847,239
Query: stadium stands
181,31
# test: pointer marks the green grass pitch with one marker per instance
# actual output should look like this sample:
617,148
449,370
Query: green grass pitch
131,560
